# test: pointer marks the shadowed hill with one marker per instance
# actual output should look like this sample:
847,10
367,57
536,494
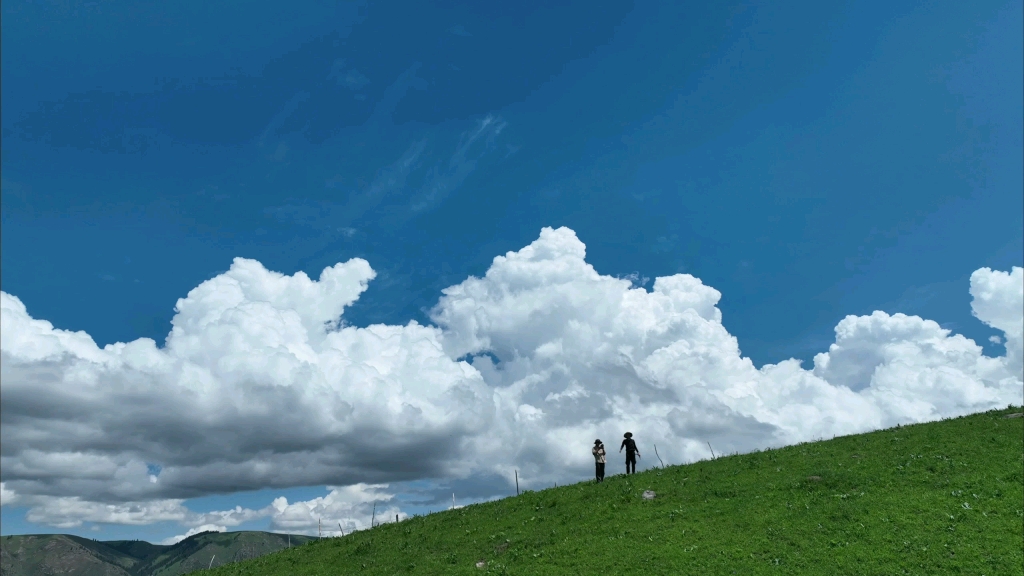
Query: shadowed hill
62,554
938,498
135,548
76,556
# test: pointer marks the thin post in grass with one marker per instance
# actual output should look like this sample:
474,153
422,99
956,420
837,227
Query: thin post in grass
517,482
340,528
396,518
373,515
319,531
658,455
713,457
453,500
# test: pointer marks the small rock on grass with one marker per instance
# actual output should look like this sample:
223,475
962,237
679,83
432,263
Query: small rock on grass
814,478
481,564
649,494
1014,415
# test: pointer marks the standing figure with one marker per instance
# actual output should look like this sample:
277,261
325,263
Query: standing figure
598,452
631,452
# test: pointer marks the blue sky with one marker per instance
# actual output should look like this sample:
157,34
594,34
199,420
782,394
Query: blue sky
809,161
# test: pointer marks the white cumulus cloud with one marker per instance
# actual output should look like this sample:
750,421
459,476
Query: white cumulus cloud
572,354
262,384
259,385
998,298
7,497
344,510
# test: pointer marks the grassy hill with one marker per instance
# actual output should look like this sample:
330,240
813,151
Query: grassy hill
76,556
940,498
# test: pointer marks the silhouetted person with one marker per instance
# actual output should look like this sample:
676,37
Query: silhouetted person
631,452
599,460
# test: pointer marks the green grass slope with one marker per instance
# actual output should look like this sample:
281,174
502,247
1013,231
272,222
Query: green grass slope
75,556
939,498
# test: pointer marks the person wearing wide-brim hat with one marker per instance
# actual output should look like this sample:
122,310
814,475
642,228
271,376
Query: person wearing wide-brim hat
599,460
631,452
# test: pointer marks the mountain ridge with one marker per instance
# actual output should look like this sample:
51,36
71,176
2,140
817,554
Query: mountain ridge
33,554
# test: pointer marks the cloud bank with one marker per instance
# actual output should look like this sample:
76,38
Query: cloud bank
343,510
262,384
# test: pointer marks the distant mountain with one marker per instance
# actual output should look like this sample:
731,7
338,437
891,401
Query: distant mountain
76,556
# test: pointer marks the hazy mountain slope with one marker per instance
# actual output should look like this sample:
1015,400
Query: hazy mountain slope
222,548
74,556
61,554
